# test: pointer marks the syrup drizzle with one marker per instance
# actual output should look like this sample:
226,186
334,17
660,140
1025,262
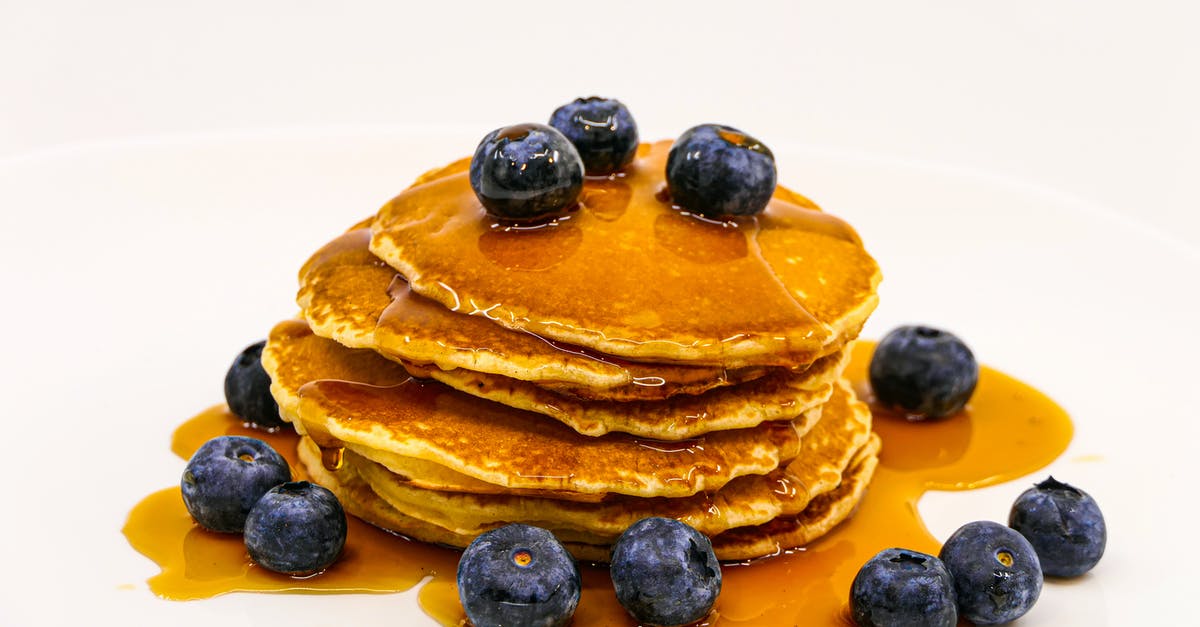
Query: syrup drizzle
764,303
1008,431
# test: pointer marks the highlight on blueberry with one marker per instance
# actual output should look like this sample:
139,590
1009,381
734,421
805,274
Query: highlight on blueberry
526,173
226,476
296,528
602,130
248,389
518,575
665,572
718,172
923,372
997,576
1064,525
901,587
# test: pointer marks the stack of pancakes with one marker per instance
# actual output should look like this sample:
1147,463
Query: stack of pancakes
451,375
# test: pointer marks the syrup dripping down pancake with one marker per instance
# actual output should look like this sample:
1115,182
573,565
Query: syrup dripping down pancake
349,295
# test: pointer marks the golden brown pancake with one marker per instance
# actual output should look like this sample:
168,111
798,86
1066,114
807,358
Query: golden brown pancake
517,449
628,275
294,356
826,452
624,361
821,515
824,513
492,442
349,295
782,395
430,476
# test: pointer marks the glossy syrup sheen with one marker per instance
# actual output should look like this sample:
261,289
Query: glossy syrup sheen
1009,430
628,275
345,286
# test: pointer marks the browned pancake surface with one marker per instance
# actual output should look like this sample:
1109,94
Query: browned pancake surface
491,442
629,275
349,295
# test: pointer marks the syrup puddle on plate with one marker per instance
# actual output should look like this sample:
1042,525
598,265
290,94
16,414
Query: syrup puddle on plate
1008,431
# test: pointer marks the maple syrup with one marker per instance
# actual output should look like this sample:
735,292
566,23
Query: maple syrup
344,276
774,289
1008,430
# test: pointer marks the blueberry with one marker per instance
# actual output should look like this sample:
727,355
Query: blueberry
518,575
718,171
1064,525
665,572
900,587
924,372
526,173
602,130
225,478
248,389
297,528
997,577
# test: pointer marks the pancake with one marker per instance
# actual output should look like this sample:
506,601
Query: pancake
344,290
419,473
823,514
359,500
295,356
517,449
783,395
491,442
627,275
452,375
349,295
826,452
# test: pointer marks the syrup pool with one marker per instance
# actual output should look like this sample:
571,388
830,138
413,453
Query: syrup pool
1008,431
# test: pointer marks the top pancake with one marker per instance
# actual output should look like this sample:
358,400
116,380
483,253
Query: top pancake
628,275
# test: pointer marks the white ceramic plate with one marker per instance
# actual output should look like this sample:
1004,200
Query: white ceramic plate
134,272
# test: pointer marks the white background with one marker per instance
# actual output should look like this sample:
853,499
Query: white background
165,168
1099,99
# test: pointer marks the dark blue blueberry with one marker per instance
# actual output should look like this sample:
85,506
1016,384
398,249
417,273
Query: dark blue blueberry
1064,525
665,572
717,172
602,130
226,477
924,372
526,173
997,577
248,389
899,587
297,528
518,575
